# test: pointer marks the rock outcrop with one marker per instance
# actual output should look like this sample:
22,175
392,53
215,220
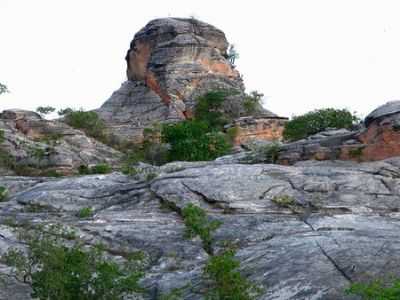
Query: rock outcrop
340,225
378,139
170,63
31,141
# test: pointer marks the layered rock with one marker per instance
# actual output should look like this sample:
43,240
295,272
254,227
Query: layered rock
170,63
340,225
263,128
31,141
378,139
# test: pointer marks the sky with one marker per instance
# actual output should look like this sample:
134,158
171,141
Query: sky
303,55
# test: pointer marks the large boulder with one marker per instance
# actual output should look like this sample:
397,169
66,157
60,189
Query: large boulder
170,63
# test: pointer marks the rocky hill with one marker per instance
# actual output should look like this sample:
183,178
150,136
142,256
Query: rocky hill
170,63
327,216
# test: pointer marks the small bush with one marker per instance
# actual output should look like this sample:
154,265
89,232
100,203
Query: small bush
101,169
272,152
252,101
3,193
193,141
284,201
209,110
197,223
85,212
316,121
225,281
376,290
58,272
45,110
97,169
89,122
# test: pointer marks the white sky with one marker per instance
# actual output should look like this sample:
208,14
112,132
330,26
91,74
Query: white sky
302,55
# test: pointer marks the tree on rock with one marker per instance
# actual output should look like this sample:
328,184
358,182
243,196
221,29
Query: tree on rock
3,89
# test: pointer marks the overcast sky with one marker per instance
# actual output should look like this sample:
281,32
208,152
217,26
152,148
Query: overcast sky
302,55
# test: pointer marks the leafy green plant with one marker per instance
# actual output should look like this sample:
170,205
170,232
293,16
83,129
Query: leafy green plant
3,193
284,201
39,154
316,121
65,111
225,281
209,111
193,141
252,101
376,290
3,89
85,212
101,169
96,169
45,110
197,223
356,152
89,122
271,152
74,272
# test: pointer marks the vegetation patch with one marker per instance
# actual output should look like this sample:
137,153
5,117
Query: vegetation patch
96,169
74,272
376,290
85,212
3,193
225,280
197,223
88,121
316,121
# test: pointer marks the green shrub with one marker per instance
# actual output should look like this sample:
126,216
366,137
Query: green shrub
3,89
45,110
271,152
97,169
197,223
209,110
376,290
85,212
101,169
252,101
89,122
193,141
316,121
74,272
225,281
3,193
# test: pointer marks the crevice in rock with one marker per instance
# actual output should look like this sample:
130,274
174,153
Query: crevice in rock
334,263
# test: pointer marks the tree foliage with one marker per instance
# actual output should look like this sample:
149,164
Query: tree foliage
88,121
376,290
3,88
197,223
193,141
59,272
316,121
226,282
45,110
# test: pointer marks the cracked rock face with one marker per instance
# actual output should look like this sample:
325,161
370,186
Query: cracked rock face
65,148
340,224
170,63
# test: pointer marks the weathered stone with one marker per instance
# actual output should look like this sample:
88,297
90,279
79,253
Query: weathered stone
170,63
64,148
341,225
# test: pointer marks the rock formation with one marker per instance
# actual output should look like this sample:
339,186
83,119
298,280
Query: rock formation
30,140
341,225
379,139
170,63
